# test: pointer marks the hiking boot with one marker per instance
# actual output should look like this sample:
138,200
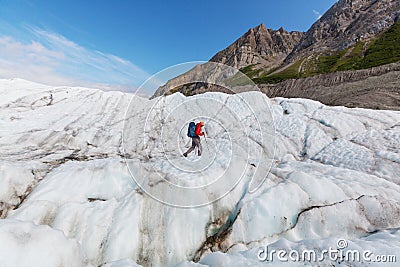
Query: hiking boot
199,154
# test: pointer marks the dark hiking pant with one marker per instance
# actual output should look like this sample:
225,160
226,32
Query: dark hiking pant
195,143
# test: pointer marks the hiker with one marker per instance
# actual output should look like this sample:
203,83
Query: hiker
194,132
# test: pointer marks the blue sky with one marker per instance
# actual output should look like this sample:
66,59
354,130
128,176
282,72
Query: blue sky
122,43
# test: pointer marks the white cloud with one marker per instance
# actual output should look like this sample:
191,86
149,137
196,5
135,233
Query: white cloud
30,61
317,14
52,59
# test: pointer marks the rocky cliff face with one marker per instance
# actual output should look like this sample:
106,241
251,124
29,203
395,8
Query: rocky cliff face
346,23
259,45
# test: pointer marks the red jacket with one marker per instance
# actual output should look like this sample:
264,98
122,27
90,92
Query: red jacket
198,131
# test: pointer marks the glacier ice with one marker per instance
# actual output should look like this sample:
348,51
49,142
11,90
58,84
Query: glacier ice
91,178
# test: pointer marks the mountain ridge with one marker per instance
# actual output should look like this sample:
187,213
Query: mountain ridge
259,45
351,35
346,23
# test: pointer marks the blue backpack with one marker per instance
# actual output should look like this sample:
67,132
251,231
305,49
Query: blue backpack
191,129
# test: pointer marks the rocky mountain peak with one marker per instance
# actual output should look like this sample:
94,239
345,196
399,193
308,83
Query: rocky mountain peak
260,27
346,23
259,45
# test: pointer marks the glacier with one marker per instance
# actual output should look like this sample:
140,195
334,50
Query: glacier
94,178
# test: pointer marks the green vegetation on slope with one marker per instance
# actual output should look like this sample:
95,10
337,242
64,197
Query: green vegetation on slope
238,80
352,58
250,71
291,72
383,50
